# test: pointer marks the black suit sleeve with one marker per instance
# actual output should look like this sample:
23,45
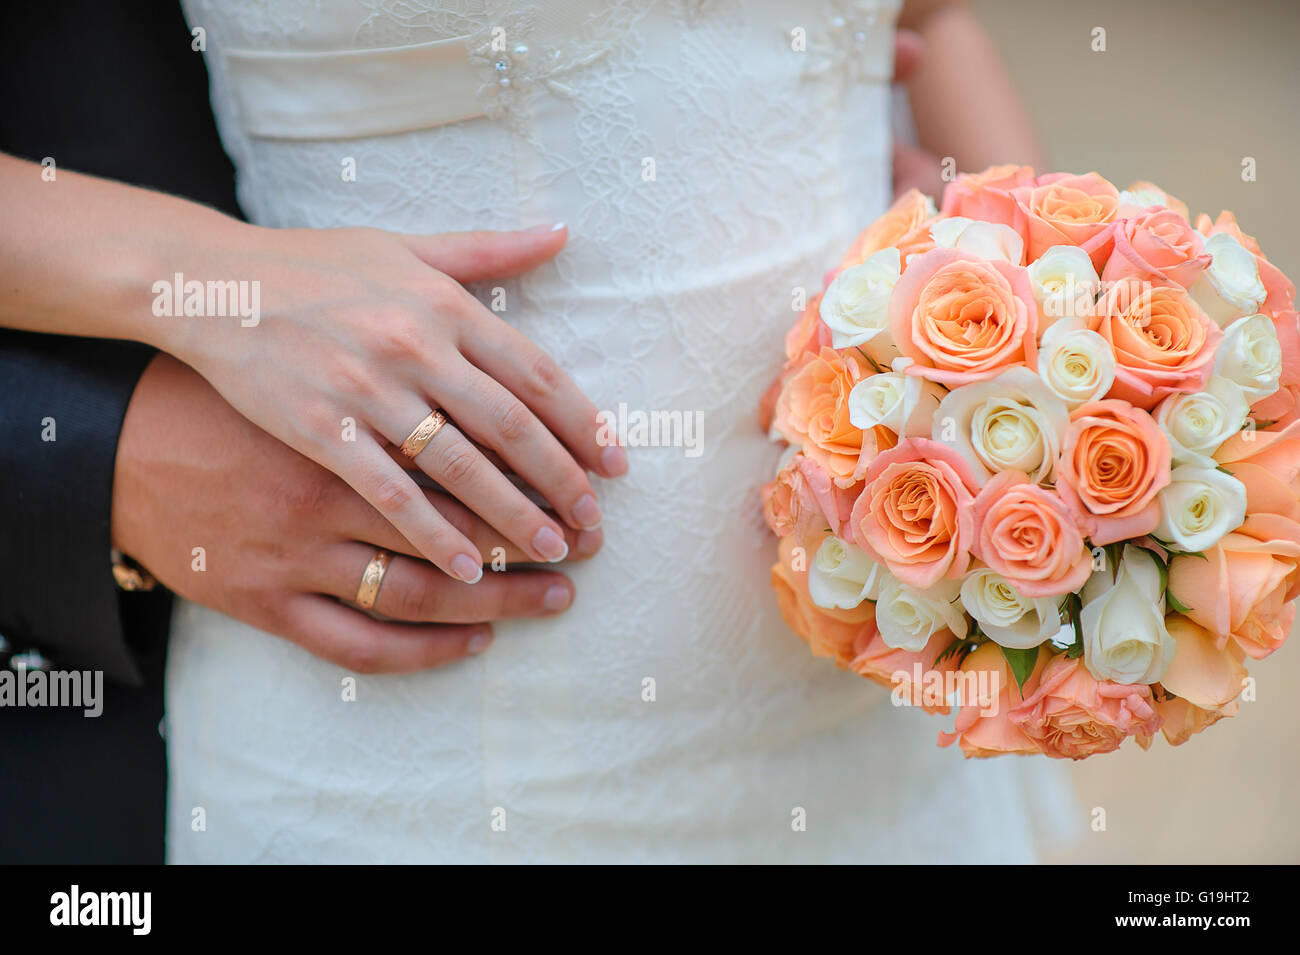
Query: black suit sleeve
64,401
121,94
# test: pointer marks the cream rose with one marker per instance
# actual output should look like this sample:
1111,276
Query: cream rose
1010,423
1065,285
1231,287
903,403
841,576
1006,616
1123,622
1198,423
1077,365
1198,507
988,240
1144,195
855,305
908,617
1251,355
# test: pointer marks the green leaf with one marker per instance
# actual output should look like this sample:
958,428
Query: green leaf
1173,550
1075,651
1176,605
949,650
874,363
1160,563
1021,662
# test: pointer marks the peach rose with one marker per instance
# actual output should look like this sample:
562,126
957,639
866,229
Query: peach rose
1157,246
1026,534
1060,209
906,227
1268,464
809,334
986,196
839,634
1280,291
813,412
1181,720
1114,462
1279,410
894,668
1072,715
1243,587
1204,681
962,319
1164,343
804,501
914,512
985,731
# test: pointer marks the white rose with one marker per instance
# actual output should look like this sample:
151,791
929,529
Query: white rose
908,617
1005,615
905,404
842,576
1143,198
1199,506
1251,355
1065,285
855,306
1011,422
985,239
1123,622
1198,423
1076,364
1231,287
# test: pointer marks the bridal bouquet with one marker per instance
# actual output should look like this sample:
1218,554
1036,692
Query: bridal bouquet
1044,462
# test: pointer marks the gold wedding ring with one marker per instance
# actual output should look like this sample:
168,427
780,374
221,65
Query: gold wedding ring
419,439
371,578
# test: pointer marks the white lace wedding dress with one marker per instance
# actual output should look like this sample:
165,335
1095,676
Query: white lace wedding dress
709,157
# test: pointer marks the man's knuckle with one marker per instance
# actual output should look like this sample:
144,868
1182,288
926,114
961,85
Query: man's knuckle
415,603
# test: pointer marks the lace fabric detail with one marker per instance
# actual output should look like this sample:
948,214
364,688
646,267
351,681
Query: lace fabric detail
566,38
706,170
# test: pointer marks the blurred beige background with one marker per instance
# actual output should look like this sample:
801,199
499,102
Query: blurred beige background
1185,90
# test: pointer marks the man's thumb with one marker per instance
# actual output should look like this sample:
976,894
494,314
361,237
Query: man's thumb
471,256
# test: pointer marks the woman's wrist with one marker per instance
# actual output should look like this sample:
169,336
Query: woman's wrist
193,284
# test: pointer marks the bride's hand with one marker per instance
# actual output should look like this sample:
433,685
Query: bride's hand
361,334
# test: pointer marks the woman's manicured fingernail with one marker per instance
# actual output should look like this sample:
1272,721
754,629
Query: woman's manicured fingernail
614,460
557,597
466,568
480,641
550,544
588,542
587,512
544,227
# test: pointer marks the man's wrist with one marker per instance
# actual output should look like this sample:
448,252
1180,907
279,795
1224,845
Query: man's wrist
126,510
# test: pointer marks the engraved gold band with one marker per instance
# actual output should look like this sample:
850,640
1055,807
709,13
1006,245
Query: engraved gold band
419,439
371,578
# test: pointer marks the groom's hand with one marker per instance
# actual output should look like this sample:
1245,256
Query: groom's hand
225,515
